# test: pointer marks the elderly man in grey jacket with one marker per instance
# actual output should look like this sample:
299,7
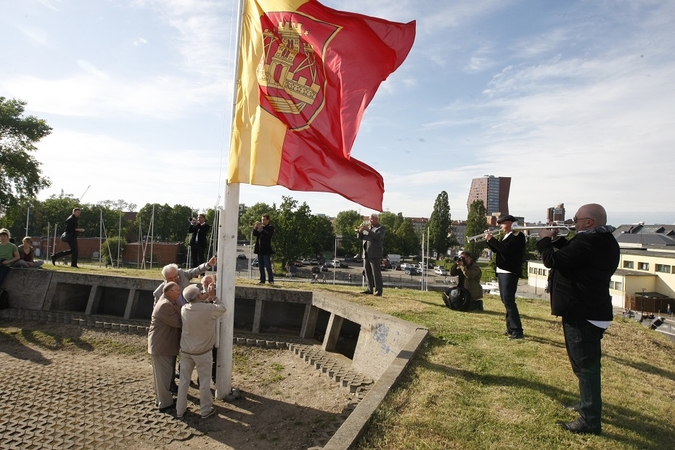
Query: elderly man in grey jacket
171,272
163,343
373,236
199,316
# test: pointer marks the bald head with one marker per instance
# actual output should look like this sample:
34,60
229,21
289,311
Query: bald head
590,216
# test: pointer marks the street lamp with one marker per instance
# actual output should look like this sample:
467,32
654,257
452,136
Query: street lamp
27,217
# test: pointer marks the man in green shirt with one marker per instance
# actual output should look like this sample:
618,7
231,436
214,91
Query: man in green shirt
9,253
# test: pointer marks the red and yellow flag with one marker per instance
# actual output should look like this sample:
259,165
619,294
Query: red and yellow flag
307,73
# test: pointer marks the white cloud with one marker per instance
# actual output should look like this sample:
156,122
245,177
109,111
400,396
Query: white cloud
37,35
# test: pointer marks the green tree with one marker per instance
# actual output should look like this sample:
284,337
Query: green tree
292,231
111,248
391,222
476,224
322,237
343,225
20,174
170,223
53,212
408,239
439,226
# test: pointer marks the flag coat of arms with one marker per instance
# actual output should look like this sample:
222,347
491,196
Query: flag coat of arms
306,75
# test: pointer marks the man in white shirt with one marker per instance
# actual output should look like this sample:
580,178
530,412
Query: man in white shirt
197,340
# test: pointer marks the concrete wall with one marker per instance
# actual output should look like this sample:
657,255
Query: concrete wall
372,340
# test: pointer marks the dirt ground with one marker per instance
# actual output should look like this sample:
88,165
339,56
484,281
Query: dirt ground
285,402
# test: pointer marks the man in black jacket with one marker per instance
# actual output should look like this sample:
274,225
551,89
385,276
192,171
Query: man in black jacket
263,233
509,252
581,270
72,229
199,240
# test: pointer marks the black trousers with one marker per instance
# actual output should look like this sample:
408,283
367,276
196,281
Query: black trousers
198,255
582,340
73,252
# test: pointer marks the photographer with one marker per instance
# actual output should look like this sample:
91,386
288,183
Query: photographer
469,276
199,240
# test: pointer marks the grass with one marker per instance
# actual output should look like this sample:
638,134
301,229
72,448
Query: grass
470,388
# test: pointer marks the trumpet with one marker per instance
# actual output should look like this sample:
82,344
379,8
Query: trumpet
481,237
533,231
363,225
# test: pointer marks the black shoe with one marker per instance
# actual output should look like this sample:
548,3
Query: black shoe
515,336
579,426
379,294
167,409
574,408
446,299
53,261
77,267
367,292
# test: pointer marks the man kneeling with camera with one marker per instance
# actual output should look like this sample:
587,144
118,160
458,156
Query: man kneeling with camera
466,296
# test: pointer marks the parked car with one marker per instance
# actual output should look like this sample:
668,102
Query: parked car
412,270
324,268
254,263
338,264
440,271
316,269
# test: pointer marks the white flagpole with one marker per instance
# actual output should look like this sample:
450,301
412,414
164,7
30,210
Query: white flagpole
227,250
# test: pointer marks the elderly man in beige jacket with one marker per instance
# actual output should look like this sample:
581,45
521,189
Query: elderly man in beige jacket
199,316
164,342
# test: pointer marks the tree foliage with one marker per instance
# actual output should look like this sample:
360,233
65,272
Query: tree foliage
293,232
344,225
20,174
476,224
113,247
439,225
169,224
407,239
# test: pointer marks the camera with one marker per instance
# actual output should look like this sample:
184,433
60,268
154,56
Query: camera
458,258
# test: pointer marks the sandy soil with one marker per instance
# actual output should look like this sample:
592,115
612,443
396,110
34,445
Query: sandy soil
285,403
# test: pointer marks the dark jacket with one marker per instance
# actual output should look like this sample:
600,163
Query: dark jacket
510,251
469,279
71,224
580,273
199,234
373,242
263,240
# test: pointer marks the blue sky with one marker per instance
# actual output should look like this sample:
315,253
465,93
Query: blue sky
574,100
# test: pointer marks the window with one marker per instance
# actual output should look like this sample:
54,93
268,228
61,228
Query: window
662,268
643,266
628,265
618,286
